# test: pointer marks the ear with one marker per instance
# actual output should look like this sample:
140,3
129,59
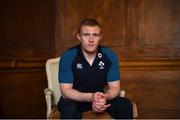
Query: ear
78,37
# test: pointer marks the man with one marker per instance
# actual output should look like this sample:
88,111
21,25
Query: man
84,71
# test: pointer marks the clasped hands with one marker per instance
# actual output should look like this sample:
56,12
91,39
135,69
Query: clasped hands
99,102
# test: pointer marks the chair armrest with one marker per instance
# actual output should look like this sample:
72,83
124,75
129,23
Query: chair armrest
135,112
48,94
122,93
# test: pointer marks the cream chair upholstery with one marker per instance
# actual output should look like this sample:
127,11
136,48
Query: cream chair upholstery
52,93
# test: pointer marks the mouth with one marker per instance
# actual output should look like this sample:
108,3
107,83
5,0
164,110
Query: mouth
91,45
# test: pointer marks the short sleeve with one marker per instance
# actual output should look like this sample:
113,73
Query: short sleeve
65,68
113,72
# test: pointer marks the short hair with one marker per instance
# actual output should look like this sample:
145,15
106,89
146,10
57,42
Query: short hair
88,22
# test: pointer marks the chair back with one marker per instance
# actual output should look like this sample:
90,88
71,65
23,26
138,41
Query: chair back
52,68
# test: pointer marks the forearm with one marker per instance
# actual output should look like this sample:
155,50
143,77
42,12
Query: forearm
112,93
76,95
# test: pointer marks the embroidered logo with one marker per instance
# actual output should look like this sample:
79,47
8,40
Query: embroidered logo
99,55
101,65
79,66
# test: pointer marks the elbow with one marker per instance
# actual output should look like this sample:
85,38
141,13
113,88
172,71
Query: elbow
64,93
117,89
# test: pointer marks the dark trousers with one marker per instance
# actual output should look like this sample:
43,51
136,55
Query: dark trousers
121,108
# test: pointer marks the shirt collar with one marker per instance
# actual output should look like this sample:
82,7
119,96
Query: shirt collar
98,55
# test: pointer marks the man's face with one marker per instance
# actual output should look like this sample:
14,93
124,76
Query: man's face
89,37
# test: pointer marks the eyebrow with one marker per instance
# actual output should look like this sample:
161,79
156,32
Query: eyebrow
92,33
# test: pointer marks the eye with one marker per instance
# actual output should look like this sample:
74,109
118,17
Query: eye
86,34
96,35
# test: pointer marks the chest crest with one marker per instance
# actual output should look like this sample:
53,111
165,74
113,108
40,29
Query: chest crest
79,66
101,65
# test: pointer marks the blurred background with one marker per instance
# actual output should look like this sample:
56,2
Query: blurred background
144,33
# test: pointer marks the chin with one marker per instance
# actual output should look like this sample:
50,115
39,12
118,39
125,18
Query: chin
90,50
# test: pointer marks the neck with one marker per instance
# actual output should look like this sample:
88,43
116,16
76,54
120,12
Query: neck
90,56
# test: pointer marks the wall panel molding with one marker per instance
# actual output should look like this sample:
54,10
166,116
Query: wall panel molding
25,65
125,64
151,64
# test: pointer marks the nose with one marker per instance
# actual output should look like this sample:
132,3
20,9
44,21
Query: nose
91,39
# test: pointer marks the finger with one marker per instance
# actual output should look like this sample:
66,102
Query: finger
103,109
95,109
106,106
100,108
95,96
96,105
102,101
101,95
99,104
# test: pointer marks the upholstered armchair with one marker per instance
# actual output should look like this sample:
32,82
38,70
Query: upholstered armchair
52,94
